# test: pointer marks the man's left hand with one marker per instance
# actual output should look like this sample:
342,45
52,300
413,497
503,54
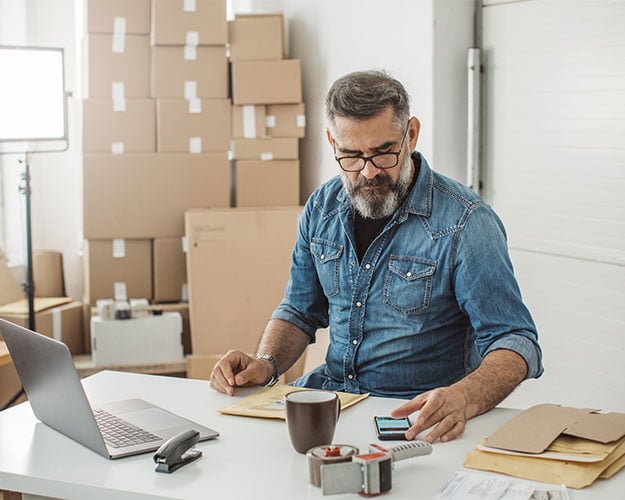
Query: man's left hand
444,408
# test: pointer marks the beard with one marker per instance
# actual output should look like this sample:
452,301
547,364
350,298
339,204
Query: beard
379,197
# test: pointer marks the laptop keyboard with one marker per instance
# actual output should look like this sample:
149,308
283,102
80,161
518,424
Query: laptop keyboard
119,433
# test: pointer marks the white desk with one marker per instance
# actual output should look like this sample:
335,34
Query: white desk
252,459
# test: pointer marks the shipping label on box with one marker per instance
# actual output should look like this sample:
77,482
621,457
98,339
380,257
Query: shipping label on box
176,75
238,260
256,37
249,121
267,149
117,269
115,71
191,23
119,17
146,195
130,129
267,183
267,82
193,126
285,120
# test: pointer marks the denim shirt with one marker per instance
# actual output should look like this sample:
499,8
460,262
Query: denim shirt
433,294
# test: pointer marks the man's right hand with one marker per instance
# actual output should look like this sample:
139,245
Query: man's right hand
237,369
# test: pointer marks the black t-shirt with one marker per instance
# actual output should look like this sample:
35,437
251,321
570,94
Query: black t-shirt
366,230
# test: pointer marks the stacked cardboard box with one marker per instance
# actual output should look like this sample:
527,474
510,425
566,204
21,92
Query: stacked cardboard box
268,113
156,121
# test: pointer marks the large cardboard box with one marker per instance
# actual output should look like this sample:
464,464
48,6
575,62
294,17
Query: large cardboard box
279,148
60,319
128,129
117,16
48,273
256,37
267,183
178,22
10,384
193,126
205,75
248,121
113,71
117,269
238,264
267,82
286,120
9,289
153,339
170,270
146,195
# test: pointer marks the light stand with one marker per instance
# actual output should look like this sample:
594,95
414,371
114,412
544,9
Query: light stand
29,285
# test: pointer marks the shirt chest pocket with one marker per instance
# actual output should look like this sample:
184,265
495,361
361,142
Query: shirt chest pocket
408,284
327,260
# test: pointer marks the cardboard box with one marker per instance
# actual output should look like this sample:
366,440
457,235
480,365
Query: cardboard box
248,121
146,195
278,148
117,16
10,291
117,269
130,129
286,120
256,37
48,273
267,183
58,318
10,384
193,126
128,69
154,339
177,22
205,76
267,82
238,264
170,270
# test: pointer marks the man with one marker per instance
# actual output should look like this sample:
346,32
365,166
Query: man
409,269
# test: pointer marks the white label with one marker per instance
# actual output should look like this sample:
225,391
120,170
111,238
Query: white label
185,293
266,156
117,148
119,248
189,6
195,145
249,121
270,121
185,244
119,290
195,105
119,35
57,323
119,96
190,52
190,89
193,38
301,121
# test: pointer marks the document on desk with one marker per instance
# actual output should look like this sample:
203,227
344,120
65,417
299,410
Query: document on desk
464,485
270,402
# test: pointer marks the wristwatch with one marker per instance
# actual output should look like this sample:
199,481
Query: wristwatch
276,374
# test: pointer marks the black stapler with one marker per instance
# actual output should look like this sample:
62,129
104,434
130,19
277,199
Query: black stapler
175,452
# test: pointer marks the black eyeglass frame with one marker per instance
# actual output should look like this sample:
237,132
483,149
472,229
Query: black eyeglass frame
372,157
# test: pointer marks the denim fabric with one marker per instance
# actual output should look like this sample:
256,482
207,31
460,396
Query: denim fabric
434,292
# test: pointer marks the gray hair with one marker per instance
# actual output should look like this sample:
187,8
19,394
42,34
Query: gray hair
364,94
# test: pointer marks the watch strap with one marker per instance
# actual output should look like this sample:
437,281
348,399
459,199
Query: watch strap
276,374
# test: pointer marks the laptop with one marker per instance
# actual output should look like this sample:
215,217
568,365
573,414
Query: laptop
51,382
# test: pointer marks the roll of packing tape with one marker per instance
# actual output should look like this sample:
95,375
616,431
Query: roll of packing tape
328,454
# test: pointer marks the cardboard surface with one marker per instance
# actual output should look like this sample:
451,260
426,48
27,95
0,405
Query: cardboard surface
279,148
48,273
107,264
267,82
248,121
146,195
10,291
39,304
172,20
131,130
286,120
170,270
101,66
172,73
267,183
100,16
256,37
238,264
200,126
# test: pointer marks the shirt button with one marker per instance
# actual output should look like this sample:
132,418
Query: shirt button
367,266
358,304
408,274
322,257
350,376
355,342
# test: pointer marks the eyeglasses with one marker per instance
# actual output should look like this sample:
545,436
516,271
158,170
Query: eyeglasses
380,160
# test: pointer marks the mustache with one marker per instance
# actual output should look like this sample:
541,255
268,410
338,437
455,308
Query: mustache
377,181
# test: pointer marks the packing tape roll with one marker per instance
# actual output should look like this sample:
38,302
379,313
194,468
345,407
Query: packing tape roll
318,456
